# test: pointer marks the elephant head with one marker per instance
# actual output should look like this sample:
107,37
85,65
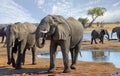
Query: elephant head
50,26
104,32
115,29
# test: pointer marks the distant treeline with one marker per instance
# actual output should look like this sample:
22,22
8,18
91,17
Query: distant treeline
108,23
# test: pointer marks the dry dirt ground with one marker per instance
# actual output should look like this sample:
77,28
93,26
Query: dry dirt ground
83,68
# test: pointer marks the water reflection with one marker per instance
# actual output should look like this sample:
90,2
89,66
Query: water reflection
92,56
100,55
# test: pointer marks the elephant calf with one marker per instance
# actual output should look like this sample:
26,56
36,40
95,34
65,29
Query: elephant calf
98,33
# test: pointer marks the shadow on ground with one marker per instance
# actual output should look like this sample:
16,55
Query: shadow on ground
9,71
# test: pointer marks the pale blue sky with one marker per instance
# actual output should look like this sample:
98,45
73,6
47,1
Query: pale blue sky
34,10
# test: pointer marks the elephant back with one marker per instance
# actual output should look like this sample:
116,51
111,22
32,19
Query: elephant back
76,29
75,26
23,27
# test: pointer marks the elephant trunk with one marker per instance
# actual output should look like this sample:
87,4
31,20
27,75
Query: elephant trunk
108,36
40,42
9,50
10,44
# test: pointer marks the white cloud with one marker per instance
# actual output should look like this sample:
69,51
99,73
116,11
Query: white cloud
78,8
65,8
116,4
11,12
110,16
40,2
62,8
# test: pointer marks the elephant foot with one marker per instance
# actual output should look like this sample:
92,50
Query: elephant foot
18,68
23,63
13,64
8,63
66,70
51,70
34,63
73,67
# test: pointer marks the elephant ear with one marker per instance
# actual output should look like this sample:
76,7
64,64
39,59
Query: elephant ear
62,29
60,33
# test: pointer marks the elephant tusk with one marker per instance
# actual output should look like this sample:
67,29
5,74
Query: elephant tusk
44,31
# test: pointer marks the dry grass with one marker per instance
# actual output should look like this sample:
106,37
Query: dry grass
106,26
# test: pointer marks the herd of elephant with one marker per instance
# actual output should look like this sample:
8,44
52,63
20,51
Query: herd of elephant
66,33
100,33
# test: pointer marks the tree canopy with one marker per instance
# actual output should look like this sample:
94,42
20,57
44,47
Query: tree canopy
83,21
95,13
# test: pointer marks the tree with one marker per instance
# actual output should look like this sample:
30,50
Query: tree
95,13
83,21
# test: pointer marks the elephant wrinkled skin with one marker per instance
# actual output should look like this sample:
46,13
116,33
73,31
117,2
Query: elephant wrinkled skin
67,33
20,37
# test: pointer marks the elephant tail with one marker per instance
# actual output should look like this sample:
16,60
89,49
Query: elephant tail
80,54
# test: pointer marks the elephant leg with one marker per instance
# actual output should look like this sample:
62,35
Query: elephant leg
91,40
12,58
95,41
23,57
33,55
101,40
76,51
119,37
53,48
20,54
65,45
72,54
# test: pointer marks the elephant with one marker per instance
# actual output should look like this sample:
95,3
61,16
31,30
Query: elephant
67,33
99,33
20,37
3,33
117,30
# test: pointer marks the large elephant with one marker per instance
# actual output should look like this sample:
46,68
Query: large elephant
3,33
20,37
67,33
99,33
117,30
